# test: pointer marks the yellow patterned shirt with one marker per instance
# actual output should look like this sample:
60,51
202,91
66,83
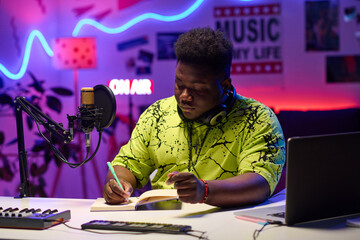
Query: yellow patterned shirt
248,139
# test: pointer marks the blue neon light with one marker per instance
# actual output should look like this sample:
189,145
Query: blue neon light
80,24
135,20
20,74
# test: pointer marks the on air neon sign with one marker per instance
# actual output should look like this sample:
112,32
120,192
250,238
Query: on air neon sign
131,86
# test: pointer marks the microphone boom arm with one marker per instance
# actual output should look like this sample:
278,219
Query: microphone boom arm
21,104
103,115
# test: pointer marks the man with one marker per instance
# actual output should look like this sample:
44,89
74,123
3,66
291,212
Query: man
209,143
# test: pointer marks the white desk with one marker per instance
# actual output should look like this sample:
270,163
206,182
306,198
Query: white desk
219,224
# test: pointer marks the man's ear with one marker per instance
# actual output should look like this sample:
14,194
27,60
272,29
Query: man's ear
226,83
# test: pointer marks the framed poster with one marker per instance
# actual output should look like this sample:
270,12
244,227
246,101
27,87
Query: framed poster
322,25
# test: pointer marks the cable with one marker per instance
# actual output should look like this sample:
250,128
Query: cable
53,147
202,236
76,165
258,231
40,119
89,230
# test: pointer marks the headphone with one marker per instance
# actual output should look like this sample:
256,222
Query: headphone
216,114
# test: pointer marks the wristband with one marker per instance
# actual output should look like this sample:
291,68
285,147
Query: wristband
206,191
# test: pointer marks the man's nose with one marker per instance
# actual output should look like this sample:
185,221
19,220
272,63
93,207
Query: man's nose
186,95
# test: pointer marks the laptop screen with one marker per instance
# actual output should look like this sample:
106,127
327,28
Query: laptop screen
323,177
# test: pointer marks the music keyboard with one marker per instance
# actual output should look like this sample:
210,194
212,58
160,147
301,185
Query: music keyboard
31,218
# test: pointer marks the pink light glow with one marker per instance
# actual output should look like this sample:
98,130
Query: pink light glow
30,12
298,101
128,3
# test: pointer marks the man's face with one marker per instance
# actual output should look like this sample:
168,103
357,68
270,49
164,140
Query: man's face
197,89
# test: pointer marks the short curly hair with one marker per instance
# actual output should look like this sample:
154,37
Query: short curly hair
205,46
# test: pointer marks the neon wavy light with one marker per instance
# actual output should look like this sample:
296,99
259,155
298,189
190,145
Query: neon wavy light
25,62
135,20
83,22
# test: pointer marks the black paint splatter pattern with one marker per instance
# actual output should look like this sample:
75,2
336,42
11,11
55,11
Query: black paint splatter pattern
249,139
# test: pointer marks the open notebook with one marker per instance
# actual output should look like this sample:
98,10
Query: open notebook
151,196
322,180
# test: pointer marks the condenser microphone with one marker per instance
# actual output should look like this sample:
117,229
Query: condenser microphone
87,118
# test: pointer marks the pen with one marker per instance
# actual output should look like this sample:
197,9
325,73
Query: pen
113,173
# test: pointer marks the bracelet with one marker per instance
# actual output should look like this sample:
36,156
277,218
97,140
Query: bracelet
206,191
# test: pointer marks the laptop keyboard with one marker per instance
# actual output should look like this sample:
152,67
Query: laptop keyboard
278,214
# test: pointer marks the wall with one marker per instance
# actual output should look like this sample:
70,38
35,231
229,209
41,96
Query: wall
300,85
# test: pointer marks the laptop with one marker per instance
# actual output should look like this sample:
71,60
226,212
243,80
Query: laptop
322,180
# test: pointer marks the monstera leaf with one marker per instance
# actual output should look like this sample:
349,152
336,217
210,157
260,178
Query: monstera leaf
30,122
38,171
40,145
1,82
5,172
37,85
6,99
62,91
12,142
2,138
54,103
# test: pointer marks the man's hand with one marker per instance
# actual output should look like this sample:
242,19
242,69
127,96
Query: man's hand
113,194
189,188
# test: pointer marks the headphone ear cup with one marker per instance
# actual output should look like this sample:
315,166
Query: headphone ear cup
231,99
217,118
214,116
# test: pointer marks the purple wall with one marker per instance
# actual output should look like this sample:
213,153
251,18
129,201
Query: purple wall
144,51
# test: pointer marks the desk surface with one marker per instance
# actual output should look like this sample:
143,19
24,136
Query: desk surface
217,223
